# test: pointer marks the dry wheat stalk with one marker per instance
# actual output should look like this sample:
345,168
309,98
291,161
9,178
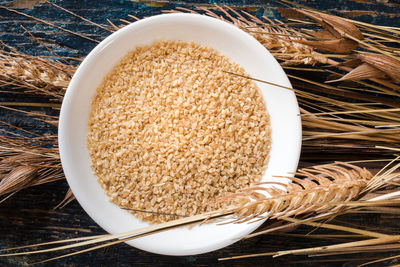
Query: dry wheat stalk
318,189
49,24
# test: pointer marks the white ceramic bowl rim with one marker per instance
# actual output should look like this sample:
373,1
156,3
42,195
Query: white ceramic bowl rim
230,41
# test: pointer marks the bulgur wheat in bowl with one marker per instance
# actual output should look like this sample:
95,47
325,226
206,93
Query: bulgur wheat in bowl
181,140
170,131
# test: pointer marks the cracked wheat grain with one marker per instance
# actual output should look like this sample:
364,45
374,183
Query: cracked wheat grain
170,131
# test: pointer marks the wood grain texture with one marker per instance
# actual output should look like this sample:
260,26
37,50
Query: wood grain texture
29,217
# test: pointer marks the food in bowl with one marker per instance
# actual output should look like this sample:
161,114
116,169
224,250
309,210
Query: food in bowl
171,130
229,40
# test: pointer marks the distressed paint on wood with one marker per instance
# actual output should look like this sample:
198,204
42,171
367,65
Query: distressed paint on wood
29,216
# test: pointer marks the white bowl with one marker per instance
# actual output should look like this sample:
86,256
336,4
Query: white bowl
230,41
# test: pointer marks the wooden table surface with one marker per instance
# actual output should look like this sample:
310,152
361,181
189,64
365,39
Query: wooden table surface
29,216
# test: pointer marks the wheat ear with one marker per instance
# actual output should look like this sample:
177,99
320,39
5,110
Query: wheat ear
313,190
23,163
38,75
281,40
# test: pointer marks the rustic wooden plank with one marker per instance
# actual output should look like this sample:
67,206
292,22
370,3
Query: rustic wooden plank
29,217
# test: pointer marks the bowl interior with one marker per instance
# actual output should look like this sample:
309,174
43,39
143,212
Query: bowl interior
230,41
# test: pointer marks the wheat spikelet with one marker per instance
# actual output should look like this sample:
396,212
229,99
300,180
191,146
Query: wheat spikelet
334,36
317,189
18,178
